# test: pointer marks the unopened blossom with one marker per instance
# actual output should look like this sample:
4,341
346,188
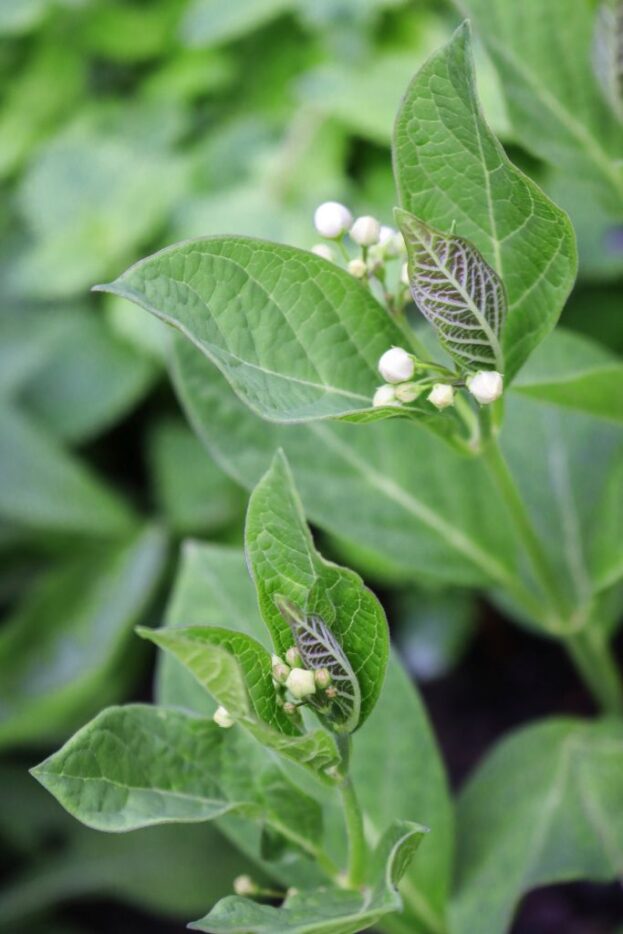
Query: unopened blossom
441,395
396,365
366,231
332,219
486,386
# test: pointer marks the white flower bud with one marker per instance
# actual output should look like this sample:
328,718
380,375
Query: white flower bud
223,718
396,365
244,885
391,241
366,231
441,395
332,219
280,670
324,250
486,386
301,683
322,677
290,709
357,268
404,274
407,392
293,657
384,395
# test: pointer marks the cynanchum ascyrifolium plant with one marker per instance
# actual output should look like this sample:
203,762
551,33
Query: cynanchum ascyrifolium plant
485,451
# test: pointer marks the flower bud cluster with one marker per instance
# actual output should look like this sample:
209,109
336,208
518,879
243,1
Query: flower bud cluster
300,682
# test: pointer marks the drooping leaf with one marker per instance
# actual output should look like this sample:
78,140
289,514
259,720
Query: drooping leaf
454,176
542,52
608,52
236,670
330,911
285,563
546,806
458,292
297,338
54,675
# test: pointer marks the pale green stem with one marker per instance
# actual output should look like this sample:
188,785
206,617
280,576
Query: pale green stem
357,849
595,661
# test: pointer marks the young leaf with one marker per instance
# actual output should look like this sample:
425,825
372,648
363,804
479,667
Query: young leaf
327,911
554,101
458,292
608,52
544,807
454,176
284,562
236,670
296,337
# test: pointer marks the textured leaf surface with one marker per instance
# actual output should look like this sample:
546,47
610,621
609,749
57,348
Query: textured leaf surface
54,675
608,52
296,337
236,670
546,806
543,54
461,296
393,489
328,911
453,175
284,562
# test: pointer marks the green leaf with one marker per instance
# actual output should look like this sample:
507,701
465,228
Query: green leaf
574,372
606,545
543,55
53,675
457,292
544,807
608,52
285,563
231,296
333,911
454,176
428,510
236,670
141,765
43,487
193,492
209,22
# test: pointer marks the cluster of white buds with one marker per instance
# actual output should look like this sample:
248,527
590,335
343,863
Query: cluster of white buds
332,220
223,718
300,682
486,386
397,367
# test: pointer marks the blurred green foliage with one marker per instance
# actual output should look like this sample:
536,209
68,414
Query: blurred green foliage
125,125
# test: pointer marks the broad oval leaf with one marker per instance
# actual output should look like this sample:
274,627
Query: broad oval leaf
330,911
452,174
545,806
285,563
296,337
458,292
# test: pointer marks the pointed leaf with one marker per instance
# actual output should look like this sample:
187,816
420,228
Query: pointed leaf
327,911
458,292
452,174
284,562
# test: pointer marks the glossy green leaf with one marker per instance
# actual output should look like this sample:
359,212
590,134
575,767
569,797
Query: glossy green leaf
236,670
330,911
574,372
390,487
43,487
52,676
230,296
453,175
546,806
285,563
543,54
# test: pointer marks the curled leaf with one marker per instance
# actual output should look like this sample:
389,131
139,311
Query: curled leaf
319,648
457,291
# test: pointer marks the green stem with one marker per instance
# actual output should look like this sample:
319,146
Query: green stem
357,849
594,660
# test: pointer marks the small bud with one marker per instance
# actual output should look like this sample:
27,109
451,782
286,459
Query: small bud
396,365
392,242
384,395
293,657
223,718
291,892
280,670
289,708
322,677
332,219
441,395
407,392
357,268
331,692
301,683
366,231
404,274
244,885
486,386
324,250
